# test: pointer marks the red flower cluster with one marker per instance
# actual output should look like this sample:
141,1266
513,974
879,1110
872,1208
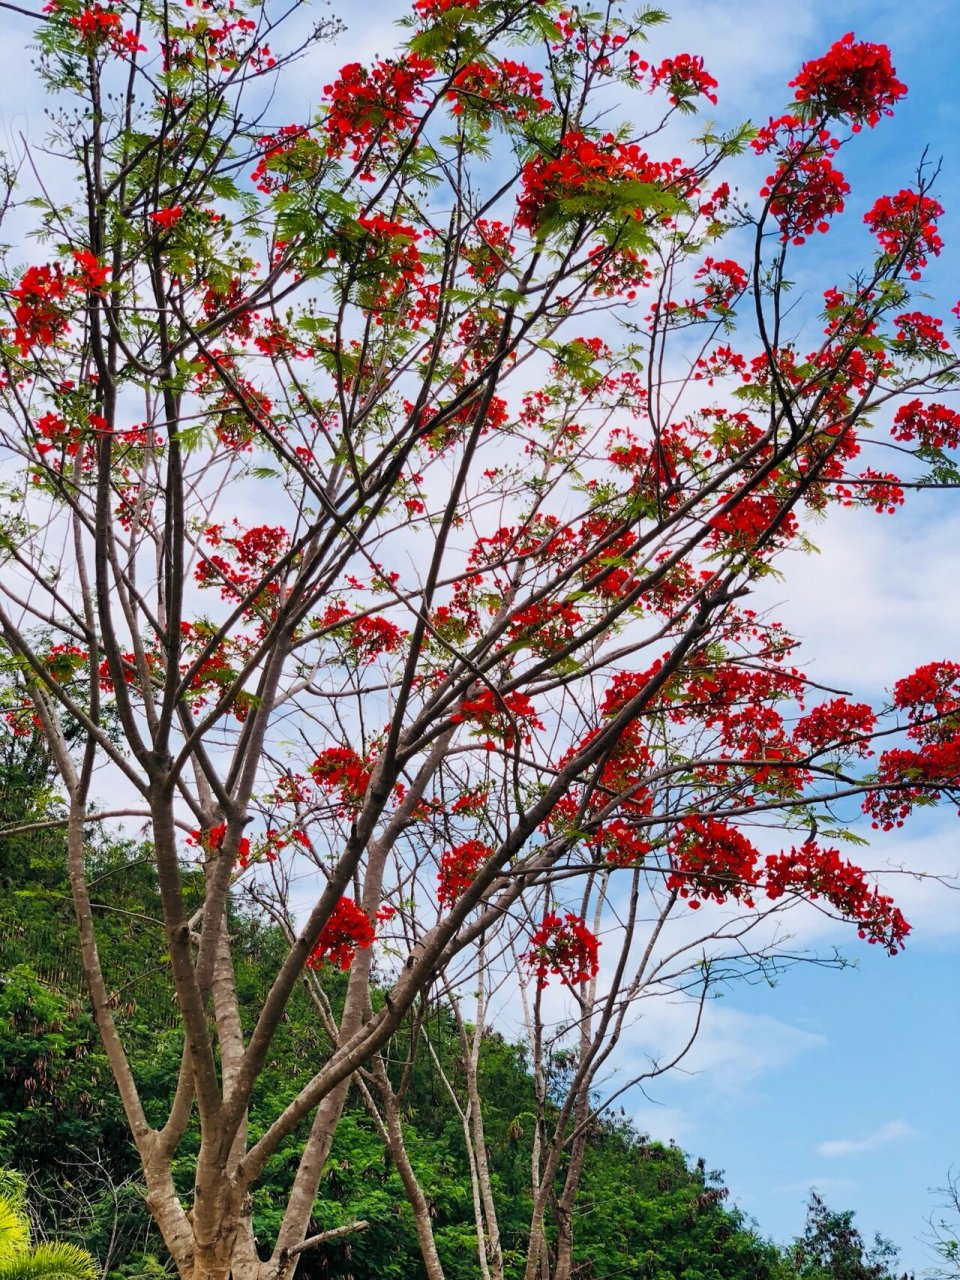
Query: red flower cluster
620,842
100,25
837,723
719,362
684,75
340,769
497,714
933,426
167,218
458,866
239,404
212,839
375,104
821,873
392,257
751,518
55,434
348,930
881,490
919,330
218,669
911,777
91,274
711,860
805,189
372,636
716,201
491,252
506,88
617,271
253,554
564,947
853,80
64,660
723,283
931,698
437,8
906,226
40,318
586,167
546,627
43,298
290,150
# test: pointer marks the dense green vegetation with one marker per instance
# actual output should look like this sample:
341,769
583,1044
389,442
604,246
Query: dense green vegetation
644,1212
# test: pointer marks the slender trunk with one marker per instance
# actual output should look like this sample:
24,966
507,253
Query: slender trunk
492,1252
169,1215
393,1132
244,1260
296,1220
563,1210
468,1142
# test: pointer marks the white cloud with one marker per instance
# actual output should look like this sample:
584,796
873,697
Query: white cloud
873,604
664,1124
733,1048
892,1131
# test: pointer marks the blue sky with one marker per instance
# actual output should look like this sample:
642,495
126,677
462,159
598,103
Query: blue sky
840,1080
847,1081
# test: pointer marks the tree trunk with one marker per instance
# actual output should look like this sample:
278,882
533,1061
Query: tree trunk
398,1150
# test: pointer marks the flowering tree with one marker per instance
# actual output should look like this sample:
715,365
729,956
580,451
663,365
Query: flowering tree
383,495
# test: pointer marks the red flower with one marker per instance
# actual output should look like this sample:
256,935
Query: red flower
933,426
546,627
340,769
505,88
806,189
291,151
711,859
564,947
372,636
837,723
881,490
348,930
375,104
592,168
55,433
437,8
40,318
917,329
855,81
684,76
212,840
905,225
167,218
497,714
723,282
458,866
92,275
822,873
99,25
931,698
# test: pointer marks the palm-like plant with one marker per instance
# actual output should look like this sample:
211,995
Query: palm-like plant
19,1260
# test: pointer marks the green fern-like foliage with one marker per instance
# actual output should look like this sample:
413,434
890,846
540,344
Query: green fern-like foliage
19,1260
14,1225
50,1262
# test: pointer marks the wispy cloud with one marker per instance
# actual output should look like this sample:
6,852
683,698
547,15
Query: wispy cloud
664,1124
892,1131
